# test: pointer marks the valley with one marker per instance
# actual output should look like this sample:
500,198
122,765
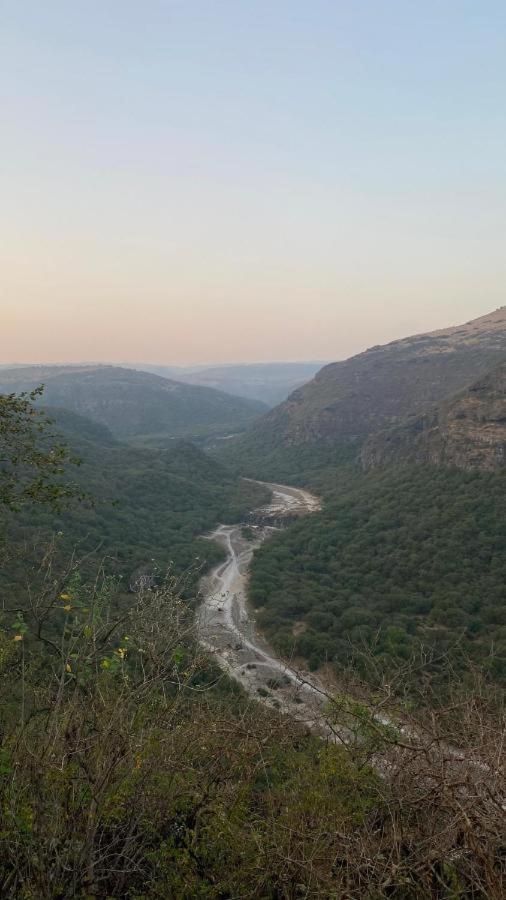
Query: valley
139,511
225,625
253,451
295,634
406,444
271,383
138,407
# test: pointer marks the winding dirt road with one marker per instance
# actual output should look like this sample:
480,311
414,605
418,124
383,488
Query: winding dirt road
225,624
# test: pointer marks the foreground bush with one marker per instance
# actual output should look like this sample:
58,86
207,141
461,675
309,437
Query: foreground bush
129,768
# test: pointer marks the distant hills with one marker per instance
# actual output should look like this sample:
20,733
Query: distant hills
136,405
270,383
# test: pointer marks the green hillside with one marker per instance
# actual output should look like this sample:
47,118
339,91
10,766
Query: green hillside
136,405
397,559
406,446
148,506
123,750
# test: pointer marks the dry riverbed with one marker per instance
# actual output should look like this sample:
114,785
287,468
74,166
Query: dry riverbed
226,625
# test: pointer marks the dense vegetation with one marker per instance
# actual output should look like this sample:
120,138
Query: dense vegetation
127,771
397,559
136,404
144,512
131,768
260,456
29,466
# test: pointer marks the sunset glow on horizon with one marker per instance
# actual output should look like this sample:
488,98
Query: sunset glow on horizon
202,182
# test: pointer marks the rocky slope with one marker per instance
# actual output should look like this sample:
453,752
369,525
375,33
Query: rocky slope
377,388
135,404
468,432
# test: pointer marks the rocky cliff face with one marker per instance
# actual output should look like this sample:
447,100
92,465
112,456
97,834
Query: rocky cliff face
468,432
376,389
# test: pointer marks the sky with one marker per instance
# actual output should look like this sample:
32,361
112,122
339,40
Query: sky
212,181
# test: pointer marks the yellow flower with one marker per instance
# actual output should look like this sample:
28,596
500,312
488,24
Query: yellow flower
67,608
68,667
65,597
121,651
18,637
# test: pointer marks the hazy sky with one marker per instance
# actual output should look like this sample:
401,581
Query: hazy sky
239,180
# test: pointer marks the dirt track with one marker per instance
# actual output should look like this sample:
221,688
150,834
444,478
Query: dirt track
226,627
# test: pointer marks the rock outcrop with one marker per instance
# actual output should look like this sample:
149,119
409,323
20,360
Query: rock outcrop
467,432
378,388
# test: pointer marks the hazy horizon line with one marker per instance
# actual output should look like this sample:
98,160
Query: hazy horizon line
206,365
273,362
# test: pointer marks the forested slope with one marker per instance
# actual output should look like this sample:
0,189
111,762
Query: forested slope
135,405
397,559
131,768
143,510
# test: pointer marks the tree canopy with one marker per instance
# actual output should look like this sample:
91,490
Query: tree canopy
31,458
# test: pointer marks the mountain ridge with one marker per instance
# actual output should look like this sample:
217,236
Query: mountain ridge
351,399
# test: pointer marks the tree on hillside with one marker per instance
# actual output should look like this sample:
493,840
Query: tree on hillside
31,458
